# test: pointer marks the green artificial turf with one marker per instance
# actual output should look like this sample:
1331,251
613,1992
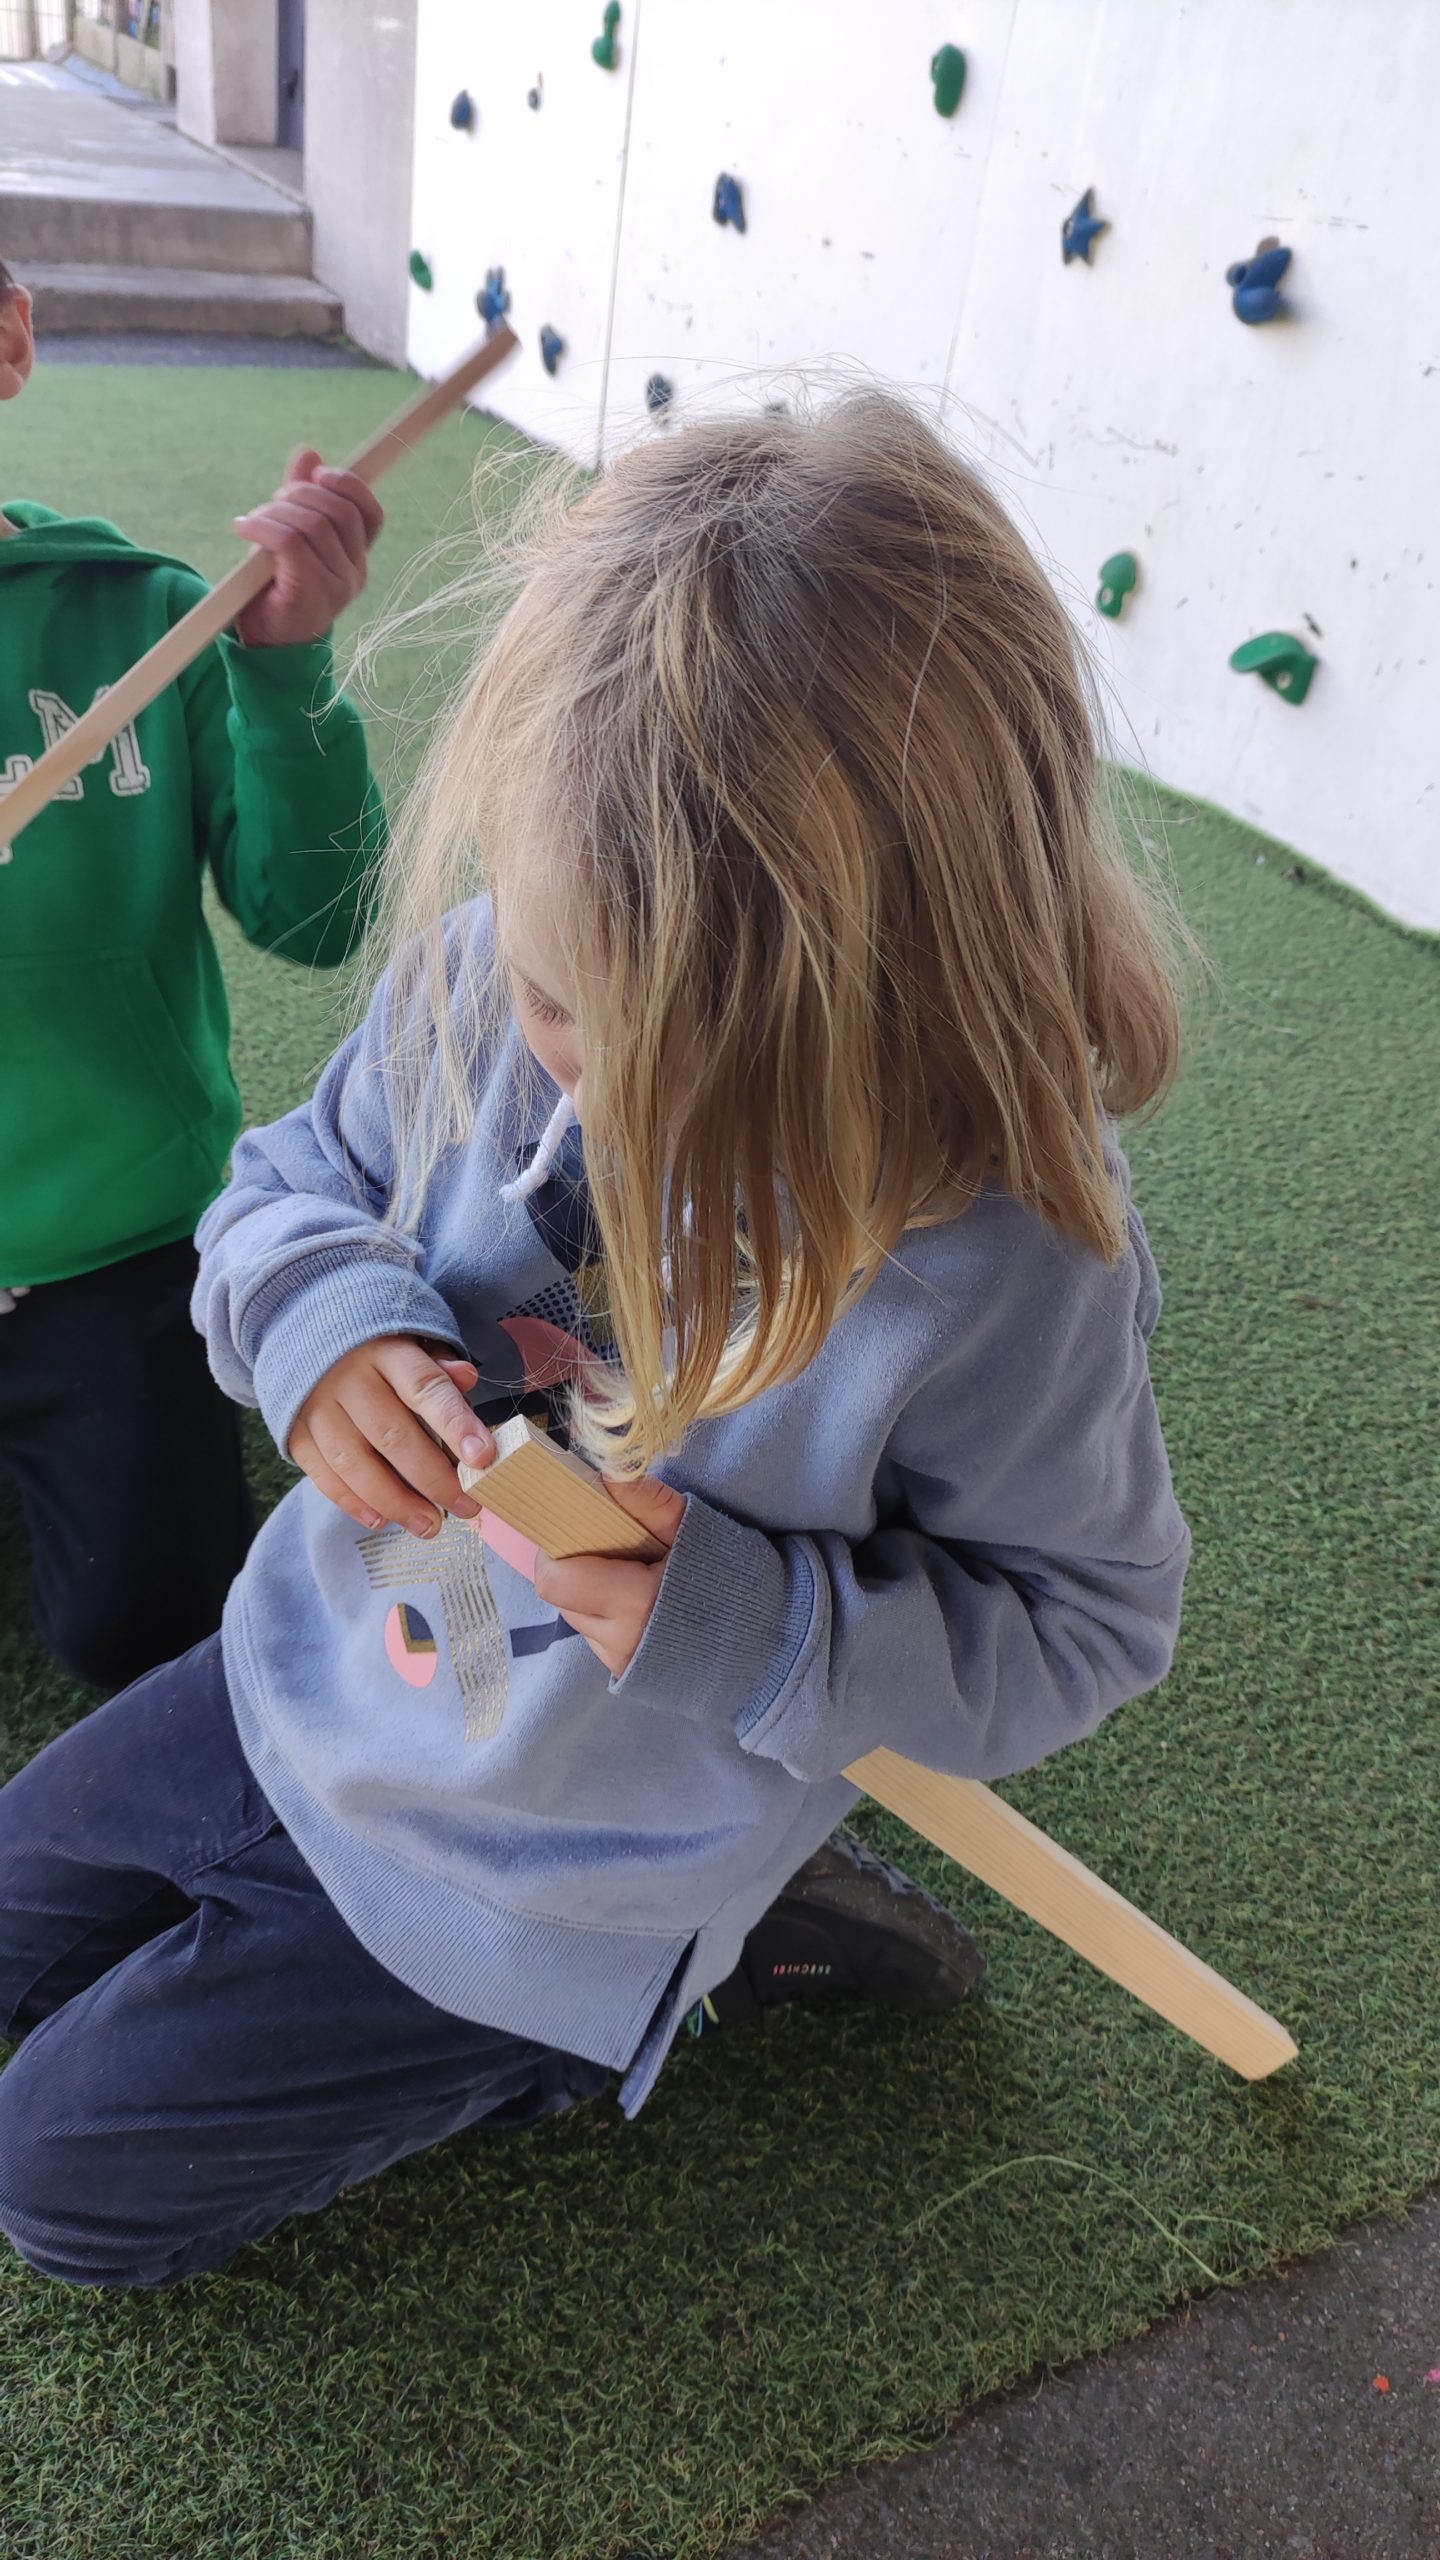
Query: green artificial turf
822,2240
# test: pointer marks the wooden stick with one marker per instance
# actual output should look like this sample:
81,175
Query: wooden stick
551,1496
205,621
1021,1862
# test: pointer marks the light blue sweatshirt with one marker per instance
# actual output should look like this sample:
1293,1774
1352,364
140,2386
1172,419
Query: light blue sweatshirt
955,1534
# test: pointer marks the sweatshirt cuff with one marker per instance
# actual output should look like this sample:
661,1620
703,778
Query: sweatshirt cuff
733,1620
305,1323
277,691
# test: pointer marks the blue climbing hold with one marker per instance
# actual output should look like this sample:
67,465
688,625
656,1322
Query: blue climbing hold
492,301
659,392
1254,283
1081,229
462,111
729,205
552,347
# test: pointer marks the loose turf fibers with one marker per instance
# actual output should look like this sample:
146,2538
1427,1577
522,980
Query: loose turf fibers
823,2239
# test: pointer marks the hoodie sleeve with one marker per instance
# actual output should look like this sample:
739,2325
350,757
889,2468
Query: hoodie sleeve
1023,1578
297,1266
287,813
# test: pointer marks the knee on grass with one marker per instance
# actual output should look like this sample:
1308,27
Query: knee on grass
55,2180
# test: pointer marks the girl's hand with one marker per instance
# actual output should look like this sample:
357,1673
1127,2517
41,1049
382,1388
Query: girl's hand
357,1437
608,1599
319,527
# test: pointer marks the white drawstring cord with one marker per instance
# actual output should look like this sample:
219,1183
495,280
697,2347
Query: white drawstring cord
542,1163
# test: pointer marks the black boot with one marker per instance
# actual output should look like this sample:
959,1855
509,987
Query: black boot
848,1926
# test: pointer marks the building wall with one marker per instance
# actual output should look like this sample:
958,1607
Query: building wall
1280,477
359,153
225,55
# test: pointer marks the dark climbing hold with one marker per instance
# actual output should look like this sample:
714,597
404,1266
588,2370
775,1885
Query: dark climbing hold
462,111
534,96
729,204
552,347
421,272
659,392
1081,229
605,49
1283,661
947,70
492,301
1117,581
1254,284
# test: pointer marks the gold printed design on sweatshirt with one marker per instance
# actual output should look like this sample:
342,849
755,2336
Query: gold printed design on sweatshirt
452,1566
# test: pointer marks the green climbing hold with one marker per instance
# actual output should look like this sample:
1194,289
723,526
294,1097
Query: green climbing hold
947,70
1283,661
604,50
420,272
1117,581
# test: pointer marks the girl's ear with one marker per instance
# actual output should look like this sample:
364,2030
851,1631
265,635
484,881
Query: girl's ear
17,344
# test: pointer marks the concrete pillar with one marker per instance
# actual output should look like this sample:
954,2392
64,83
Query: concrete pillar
359,151
225,69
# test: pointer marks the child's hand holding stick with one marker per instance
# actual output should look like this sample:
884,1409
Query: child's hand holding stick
227,603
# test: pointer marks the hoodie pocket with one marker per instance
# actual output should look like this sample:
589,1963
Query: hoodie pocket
101,1101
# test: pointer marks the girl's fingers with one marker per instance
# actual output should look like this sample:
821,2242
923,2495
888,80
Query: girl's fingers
393,1434
334,1488
349,1451
424,1384
600,1588
656,1505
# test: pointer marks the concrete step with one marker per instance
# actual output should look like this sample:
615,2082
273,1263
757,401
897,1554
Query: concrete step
47,225
178,298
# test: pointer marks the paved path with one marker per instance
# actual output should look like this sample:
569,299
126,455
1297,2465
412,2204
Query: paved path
1250,2428
65,136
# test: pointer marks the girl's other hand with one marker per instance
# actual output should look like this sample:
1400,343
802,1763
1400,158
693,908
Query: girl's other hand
358,1438
319,527
608,1599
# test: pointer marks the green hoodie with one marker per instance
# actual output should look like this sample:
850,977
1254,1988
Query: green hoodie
117,1101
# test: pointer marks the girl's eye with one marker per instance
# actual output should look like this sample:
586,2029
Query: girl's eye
544,1010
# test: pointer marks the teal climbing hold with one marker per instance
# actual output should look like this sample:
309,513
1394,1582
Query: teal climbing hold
421,272
605,49
1117,580
947,70
1283,661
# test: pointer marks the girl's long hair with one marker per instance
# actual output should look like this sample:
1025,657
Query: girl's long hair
793,734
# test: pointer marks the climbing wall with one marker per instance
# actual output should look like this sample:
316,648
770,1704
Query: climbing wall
1264,484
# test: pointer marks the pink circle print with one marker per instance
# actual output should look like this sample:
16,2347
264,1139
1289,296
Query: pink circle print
410,1645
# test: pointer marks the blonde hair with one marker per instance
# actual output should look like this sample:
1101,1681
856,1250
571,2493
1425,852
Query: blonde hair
794,731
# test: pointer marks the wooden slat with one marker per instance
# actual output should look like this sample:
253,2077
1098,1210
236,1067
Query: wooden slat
997,1844
540,1489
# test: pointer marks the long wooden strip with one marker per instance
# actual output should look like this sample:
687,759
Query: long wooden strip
214,613
543,1492
1018,1860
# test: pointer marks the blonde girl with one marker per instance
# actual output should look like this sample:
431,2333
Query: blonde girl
758,1131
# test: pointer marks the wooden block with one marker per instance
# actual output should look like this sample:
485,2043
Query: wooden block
551,1496
554,1498
1021,1862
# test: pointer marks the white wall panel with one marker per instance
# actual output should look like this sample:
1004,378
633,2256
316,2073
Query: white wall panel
1275,477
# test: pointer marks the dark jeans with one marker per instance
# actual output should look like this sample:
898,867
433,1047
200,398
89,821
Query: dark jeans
127,1459
204,2047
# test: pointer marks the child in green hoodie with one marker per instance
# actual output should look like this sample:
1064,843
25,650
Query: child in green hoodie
117,1101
